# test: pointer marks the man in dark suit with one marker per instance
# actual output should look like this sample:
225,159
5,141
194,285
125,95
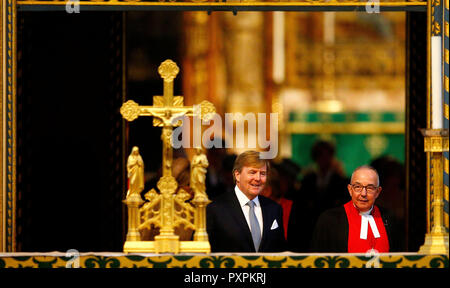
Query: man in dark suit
243,220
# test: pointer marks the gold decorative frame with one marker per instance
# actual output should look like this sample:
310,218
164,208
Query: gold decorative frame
437,11
7,124
224,5
188,260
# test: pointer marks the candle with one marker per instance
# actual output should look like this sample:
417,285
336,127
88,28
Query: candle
436,83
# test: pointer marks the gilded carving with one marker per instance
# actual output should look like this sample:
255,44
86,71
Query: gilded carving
167,184
198,172
344,260
169,208
446,84
135,169
447,33
436,142
130,110
446,112
168,70
436,28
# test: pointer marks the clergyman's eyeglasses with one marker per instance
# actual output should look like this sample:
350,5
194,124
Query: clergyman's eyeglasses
371,189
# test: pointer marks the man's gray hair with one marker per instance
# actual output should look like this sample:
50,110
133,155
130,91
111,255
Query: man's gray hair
369,168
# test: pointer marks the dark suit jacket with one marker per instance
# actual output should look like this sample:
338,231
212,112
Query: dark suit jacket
228,230
331,231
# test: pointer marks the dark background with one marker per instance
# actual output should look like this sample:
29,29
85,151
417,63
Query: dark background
71,144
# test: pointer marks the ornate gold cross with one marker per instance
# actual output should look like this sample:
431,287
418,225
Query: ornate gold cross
166,110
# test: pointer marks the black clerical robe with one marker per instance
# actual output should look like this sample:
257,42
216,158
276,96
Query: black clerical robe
331,231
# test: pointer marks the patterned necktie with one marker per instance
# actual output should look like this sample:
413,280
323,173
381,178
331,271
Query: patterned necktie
254,225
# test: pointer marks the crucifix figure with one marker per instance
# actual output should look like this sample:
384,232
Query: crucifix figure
166,110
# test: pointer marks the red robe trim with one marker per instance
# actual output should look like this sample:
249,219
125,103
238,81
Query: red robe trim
286,205
358,245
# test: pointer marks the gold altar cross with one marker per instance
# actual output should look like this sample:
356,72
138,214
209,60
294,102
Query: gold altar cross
166,110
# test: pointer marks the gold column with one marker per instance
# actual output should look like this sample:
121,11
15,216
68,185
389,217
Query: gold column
328,102
167,241
200,203
244,62
435,143
133,202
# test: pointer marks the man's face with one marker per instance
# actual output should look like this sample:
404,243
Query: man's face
251,180
364,199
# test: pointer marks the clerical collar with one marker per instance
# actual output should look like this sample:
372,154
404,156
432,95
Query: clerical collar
363,213
367,212
243,199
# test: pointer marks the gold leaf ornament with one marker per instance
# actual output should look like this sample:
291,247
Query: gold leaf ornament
183,196
130,110
167,184
168,70
436,28
151,195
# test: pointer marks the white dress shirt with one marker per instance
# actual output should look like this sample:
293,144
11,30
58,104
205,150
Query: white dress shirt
243,200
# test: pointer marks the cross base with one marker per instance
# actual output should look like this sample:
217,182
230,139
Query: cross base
176,246
435,243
